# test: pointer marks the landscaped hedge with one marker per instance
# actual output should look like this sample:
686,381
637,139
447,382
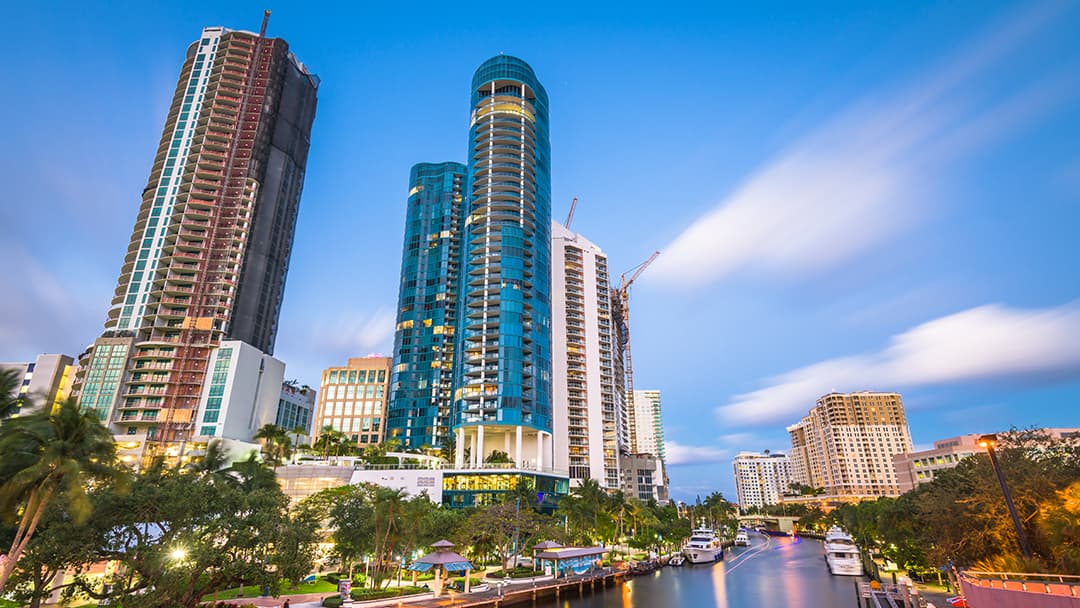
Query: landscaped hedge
378,594
518,572
334,601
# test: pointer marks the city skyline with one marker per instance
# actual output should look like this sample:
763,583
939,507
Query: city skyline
904,289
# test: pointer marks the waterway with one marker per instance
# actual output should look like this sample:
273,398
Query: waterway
774,572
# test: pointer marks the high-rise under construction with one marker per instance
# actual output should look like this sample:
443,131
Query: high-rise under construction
210,248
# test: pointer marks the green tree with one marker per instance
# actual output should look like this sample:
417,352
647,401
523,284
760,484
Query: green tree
48,454
586,513
187,534
277,447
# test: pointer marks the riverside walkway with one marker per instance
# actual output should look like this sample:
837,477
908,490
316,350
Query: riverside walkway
509,594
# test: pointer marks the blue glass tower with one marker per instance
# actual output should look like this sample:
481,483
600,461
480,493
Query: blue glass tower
502,372
418,412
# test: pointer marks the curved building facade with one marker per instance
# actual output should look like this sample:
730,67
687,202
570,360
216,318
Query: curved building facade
418,413
502,369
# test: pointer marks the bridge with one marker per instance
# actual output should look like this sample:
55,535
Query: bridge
779,523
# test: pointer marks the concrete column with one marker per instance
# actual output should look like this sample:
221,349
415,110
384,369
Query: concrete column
517,447
472,455
459,448
539,451
480,441
506,443
467,577
438,580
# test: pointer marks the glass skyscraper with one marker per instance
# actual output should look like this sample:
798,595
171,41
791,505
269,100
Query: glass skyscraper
418,413
502,371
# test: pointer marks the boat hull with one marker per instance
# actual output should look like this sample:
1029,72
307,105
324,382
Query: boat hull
703,556
845,568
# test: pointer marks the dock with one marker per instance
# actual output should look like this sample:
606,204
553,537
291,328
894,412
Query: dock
515,594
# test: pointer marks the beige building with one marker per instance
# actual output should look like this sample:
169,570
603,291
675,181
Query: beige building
917,468
761,479
352,399
46,380
846,444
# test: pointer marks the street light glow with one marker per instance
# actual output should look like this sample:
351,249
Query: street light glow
178,554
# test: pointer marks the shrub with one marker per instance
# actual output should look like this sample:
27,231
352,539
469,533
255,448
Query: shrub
334,601
518,572
333,577
378,594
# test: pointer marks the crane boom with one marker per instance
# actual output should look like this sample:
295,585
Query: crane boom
640,268
628,361
570,216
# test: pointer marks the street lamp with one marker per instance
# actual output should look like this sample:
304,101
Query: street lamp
178,554
988,442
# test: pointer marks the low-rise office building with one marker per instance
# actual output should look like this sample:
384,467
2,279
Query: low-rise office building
352,399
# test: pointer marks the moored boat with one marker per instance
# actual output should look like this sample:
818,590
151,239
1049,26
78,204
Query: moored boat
841,553
703,547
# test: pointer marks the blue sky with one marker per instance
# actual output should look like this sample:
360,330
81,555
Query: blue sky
846,196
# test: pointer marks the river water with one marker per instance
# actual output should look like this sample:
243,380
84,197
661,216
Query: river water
778,572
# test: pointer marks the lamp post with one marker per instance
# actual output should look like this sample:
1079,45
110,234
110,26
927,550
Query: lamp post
988,442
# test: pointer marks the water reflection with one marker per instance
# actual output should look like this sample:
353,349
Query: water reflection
781,572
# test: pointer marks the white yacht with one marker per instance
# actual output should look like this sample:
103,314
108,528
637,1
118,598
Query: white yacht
703,547
742,539
841,553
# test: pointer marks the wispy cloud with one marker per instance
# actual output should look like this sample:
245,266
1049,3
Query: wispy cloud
991,342
357,332
40,310
678,453
857,181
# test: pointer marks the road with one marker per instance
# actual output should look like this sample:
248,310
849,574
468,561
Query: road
774,572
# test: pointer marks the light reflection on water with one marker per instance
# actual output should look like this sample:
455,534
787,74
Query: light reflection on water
787,572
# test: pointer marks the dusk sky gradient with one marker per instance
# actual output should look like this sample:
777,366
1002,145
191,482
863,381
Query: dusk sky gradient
846,196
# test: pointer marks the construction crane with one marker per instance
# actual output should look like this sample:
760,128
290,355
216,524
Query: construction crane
623,293
570,216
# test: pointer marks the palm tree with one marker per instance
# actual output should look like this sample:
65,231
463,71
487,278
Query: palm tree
331,439
46,454
296,432
276,444
10,400
213,461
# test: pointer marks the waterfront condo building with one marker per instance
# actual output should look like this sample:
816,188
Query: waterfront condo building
589,410
352,400
761,479
418,412
846,444
210,248
502,367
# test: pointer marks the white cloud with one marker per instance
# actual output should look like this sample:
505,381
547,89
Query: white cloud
40,311
359,333
677,453
858,180
991,342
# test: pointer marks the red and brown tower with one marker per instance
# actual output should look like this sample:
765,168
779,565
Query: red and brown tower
211,244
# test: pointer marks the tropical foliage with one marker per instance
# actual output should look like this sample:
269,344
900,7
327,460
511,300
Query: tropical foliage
960,517
47,455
